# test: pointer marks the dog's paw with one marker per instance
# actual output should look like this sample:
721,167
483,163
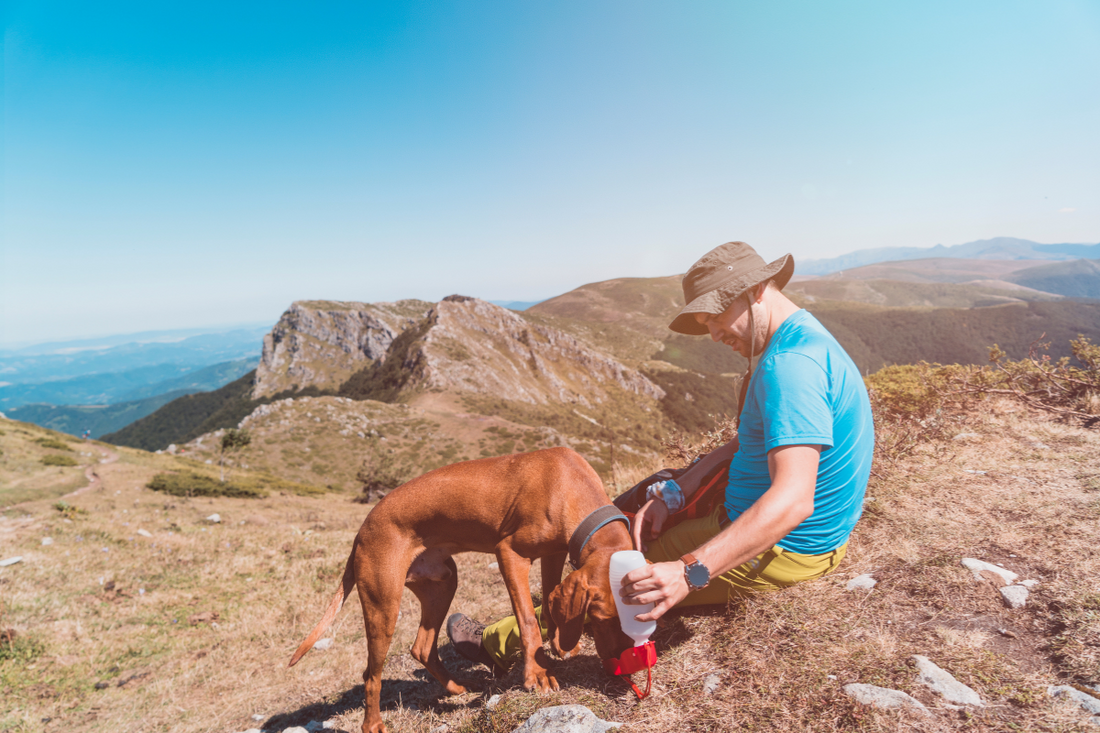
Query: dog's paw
453,687
541,681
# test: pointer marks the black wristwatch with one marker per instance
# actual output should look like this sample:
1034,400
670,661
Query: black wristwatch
696,573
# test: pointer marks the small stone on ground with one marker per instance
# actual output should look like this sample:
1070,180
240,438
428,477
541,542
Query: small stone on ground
565,719
944,684
882,697
1088,702
977,566
1015,596
215,518
861,582
323,644
711,683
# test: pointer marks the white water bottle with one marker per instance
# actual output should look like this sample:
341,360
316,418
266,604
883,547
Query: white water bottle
621,564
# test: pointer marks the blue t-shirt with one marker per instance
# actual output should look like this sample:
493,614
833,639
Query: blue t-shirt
806,391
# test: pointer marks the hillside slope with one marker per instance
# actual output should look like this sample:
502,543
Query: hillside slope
1077,279
141,608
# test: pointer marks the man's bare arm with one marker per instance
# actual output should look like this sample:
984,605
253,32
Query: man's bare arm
781,508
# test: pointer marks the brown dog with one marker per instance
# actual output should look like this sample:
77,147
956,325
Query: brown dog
519,507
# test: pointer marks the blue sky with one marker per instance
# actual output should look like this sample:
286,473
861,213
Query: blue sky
170,165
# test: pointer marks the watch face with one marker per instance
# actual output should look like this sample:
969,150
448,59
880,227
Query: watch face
698,575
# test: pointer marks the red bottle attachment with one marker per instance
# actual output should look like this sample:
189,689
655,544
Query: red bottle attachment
635,660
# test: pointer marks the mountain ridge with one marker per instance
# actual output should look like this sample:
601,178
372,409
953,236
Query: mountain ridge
1006,248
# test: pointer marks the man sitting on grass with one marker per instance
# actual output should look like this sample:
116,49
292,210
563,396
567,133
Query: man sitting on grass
798,470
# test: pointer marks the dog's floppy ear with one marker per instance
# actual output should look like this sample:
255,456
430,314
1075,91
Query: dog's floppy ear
568,605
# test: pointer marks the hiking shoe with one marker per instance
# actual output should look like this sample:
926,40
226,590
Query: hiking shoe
465,634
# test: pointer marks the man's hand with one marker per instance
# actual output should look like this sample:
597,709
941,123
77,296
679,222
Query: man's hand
662,584
648,522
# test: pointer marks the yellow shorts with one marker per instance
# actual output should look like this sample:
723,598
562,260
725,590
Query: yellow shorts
771,570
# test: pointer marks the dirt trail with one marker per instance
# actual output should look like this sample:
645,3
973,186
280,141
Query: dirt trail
94,481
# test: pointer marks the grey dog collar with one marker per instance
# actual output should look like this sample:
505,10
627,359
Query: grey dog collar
588,527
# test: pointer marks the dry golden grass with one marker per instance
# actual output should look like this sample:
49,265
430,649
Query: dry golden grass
781,659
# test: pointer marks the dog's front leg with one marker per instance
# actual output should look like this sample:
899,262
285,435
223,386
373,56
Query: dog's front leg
515,570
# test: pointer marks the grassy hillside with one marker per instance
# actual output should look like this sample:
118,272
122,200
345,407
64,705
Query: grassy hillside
100,419
37,463
111,629
903,294
1077,279
875,336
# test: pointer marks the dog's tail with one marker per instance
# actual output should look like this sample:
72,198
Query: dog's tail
334,607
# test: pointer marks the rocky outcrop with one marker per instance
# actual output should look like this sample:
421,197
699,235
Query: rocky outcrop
460,344
469,345
321,343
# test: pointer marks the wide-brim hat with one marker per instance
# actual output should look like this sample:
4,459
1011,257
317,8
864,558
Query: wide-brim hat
720,277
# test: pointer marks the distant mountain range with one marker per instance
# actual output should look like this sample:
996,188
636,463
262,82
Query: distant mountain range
100,372
998,248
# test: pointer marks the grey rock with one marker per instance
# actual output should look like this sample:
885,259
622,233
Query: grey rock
711,683
47,541
214,518
944,684
493,701
977,566
1029,583
1015,596
1088,702
323,644
145,533
882,697
565,719
861,582
11,561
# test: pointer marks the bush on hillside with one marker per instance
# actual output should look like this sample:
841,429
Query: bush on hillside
53,443
189,483
55,460
192,483
379,473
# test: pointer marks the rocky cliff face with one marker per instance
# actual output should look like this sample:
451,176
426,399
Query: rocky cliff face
321,343
469,345
458,345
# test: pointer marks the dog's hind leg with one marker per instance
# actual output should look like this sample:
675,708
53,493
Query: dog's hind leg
515,570
380,596
435,590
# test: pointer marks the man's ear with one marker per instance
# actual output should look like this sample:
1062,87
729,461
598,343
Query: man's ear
568,605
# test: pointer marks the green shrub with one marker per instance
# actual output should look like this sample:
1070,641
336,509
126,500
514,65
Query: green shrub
191,483
55,460
19,648
53,443
68,510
